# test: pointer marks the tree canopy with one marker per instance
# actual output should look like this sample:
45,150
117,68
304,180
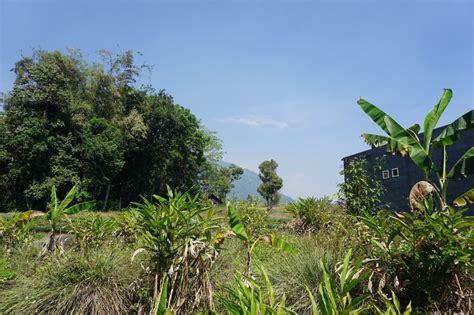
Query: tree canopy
271,183
70,122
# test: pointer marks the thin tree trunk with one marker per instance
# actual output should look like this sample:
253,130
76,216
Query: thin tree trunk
106,196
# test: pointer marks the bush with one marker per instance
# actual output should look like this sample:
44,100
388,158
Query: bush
423,257
315,214
254,219
362,188
92,229
101,281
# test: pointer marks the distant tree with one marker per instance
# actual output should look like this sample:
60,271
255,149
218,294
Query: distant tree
219,180
362,188
271,183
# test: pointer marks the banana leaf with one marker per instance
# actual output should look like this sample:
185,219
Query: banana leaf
235,224
416,151
464,166
465,199
453,131
433,116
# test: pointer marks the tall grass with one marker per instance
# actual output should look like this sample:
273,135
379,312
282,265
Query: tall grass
100,281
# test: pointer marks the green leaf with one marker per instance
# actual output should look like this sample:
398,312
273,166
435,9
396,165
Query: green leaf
433,116
279,243
235,224
379,141
453,131
406,138
464,166
323,302
161,299
69,197
87,205
54,211
465,199
328,286
416,151
396,302
345,268
314,306
376,114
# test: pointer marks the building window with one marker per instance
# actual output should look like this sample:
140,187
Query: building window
385,174
395,172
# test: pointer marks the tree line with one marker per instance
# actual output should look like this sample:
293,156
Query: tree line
67,121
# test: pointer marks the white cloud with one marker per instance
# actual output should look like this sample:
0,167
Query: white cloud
257,121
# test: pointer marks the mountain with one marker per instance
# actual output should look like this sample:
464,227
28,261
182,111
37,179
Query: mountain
248,184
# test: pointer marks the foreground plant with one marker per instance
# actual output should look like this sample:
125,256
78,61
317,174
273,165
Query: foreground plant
238,229
250,298
100,281
421,256
177,232
337,297
405,142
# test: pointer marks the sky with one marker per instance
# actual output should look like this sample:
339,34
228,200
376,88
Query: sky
275,79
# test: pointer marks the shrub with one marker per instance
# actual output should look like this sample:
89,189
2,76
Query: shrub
101,281
421,256
249,298
317,214
362,188
253,218
177,232
92,230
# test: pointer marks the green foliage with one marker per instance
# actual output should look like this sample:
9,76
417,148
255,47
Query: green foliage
253,218
238,229
291,274
423,254
218,180
271,183
68,122
392,306
96,282
235,223
313,214
177,231
6,272
58,210
248,297
162,298
362,188
406,141
165,226
335,296
93,230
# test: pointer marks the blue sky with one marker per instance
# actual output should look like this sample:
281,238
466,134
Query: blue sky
275,79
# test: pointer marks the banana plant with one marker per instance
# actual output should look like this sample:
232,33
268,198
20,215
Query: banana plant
406,141
238,229
59,209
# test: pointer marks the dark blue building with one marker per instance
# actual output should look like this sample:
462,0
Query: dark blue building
399,174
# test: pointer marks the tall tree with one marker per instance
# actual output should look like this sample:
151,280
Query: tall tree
271,183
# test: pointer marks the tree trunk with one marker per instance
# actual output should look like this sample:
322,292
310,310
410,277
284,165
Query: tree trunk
106,196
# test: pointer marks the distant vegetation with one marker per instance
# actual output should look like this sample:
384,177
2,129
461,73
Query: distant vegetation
73,132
